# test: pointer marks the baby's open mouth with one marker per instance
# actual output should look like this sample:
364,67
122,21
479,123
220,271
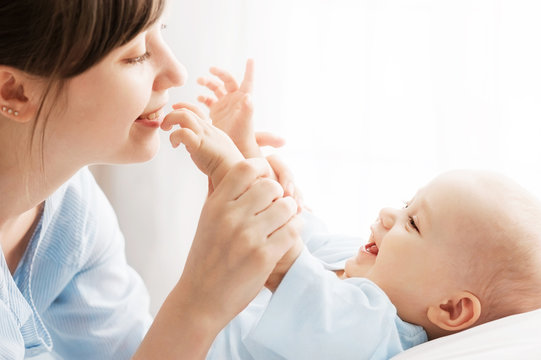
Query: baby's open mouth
371,248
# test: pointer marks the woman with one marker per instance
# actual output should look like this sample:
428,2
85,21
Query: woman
85,82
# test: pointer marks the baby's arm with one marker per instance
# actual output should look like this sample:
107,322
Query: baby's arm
211,149
214,153
231,110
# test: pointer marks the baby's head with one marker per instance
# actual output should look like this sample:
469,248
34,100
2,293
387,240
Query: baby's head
465,250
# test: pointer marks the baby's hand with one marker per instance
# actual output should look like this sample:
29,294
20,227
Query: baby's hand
211,149
232,109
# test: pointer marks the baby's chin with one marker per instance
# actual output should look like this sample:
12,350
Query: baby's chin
359,265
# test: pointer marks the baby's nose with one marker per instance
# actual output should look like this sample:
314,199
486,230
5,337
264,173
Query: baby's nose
387,217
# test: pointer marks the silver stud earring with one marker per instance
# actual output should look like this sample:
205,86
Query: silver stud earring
10,111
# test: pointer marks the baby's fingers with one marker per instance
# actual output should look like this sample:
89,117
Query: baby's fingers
207,100
285,178
282,172
229,81
248,81
186,137
269,139
183,117
183,105
213,85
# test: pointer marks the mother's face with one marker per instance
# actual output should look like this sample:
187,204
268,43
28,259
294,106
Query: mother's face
97,119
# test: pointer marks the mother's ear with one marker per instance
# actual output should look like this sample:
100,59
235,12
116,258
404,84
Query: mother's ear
18,95
456,313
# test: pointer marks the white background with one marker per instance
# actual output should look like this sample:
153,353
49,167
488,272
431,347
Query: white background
374,99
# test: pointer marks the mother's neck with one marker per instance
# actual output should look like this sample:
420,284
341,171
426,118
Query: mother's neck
27,176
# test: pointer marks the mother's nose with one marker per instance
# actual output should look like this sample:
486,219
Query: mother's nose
172,73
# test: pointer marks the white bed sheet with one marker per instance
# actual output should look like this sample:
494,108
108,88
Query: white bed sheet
514,337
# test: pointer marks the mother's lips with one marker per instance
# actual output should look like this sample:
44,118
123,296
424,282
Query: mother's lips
150,116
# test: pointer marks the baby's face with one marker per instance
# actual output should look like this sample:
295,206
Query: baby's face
414,253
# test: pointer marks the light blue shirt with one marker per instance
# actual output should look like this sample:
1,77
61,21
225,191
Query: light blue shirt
314,315
73,294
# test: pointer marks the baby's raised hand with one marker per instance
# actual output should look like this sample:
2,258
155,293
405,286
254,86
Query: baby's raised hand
211,149
231,110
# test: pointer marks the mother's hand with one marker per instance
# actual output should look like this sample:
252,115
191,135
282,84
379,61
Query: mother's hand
246,226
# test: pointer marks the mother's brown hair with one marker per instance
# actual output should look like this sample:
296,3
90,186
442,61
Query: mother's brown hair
59,39
56,40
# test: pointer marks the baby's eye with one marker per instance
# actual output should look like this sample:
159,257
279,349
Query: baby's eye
406,204
412,223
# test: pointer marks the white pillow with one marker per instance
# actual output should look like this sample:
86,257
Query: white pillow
514,337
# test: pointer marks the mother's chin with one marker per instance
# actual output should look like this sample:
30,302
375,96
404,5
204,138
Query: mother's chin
141,147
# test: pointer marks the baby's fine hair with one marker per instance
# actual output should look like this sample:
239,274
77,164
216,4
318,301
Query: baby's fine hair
509,255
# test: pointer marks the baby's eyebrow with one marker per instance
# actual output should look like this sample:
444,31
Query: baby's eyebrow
422,213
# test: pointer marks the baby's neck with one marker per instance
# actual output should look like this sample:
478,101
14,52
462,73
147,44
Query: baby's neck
341,274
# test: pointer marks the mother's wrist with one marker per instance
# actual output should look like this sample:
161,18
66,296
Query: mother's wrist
200,311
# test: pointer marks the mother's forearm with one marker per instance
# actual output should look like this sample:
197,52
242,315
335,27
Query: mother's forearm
182,329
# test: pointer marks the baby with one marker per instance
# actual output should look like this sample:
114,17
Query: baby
465,250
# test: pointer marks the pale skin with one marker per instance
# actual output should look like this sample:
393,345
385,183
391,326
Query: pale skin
231,109
231,112
419,255
96,121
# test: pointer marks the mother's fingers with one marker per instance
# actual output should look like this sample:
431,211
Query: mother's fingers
261,193
282,240
239,179
277,214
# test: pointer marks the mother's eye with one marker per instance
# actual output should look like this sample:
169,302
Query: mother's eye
139,59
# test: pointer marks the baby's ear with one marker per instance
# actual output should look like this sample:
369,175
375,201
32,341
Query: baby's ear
457,313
